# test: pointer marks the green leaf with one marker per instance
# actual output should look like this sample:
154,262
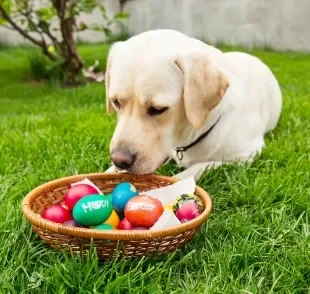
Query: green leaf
32,26
96,28
7,5
87,6
2,21
103,12
121,15
44,26
21,5
75,11
102,8
46,14
107,32
105,16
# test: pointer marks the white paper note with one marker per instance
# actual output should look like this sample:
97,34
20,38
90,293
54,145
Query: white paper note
168,194
88,182
166,220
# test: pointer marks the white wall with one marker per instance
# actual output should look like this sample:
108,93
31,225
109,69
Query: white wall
280,24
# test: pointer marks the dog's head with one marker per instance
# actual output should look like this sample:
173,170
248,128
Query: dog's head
156,96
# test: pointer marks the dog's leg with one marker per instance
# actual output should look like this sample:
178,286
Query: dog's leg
199,168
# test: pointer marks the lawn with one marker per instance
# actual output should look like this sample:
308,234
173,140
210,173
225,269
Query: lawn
257,239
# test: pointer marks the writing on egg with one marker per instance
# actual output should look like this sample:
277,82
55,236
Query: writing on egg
140,205
94,205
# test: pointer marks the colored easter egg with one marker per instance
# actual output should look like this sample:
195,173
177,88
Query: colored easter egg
188,211
169,206
187,198
57,213
140,228
125,225
92,210
143,211
103,227
75,193
71,223
113,220
121,194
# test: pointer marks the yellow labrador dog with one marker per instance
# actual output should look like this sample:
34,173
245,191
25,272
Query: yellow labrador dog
176,96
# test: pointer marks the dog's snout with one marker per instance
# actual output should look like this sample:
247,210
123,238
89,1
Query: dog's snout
123,159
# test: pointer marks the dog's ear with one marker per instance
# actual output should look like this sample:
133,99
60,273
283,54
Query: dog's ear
109,106
204,86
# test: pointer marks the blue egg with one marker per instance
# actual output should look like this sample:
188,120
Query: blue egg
121,195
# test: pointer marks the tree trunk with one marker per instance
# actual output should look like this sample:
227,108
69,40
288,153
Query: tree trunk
72,64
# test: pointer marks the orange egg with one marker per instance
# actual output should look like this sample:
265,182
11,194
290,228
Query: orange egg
143,211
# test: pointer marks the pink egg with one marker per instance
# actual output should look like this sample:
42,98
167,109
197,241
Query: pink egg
188,211
77,192
125,225
57,213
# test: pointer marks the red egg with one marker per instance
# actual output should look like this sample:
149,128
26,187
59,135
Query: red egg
143,211
188,211
57,213
77,192
125,225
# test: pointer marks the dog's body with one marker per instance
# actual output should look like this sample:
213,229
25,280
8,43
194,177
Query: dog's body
169,89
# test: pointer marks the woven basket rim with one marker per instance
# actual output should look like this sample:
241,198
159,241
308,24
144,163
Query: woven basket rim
36,220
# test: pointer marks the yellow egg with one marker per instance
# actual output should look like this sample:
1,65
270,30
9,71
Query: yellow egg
169,206
113,220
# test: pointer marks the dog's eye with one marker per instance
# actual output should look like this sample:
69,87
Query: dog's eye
116,103
152,111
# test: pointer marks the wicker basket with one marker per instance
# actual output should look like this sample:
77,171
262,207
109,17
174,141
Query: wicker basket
109,244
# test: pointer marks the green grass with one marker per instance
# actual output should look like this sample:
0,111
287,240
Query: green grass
257,239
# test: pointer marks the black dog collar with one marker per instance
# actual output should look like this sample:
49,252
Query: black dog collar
180,150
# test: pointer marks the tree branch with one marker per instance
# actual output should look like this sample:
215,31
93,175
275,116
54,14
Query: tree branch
47,31
19,29
39,30
122,4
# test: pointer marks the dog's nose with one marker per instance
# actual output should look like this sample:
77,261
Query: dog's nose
123,159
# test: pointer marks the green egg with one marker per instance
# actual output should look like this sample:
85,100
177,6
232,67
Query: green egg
103,227
92,210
